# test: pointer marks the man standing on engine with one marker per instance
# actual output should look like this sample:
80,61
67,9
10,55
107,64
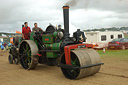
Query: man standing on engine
36,28
26,31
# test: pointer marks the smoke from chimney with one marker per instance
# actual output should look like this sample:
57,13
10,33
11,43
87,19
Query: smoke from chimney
72,3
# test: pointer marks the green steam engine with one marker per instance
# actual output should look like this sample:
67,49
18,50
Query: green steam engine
55,47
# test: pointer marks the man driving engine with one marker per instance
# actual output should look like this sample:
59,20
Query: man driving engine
36,28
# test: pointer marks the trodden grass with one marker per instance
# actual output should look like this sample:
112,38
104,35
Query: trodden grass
116,54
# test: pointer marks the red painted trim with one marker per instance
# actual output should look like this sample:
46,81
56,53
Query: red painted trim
46,39
68,48
39,54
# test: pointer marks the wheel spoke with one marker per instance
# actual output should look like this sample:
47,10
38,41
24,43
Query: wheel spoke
26,60
75,62
24,51
29,51
74,71
69,72
27,47
29,61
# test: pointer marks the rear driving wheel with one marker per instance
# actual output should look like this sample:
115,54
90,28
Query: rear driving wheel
28,54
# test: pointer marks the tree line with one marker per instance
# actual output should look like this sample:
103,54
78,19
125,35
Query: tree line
108,29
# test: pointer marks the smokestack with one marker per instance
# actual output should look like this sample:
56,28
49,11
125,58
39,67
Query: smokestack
66,22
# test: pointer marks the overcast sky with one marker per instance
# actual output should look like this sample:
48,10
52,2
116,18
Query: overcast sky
84,14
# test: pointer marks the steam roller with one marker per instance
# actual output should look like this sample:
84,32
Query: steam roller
55,47
83,59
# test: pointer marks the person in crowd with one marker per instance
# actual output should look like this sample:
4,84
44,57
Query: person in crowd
2,47
5,44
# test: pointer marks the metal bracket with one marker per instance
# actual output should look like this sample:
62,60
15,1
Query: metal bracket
68,48
76,67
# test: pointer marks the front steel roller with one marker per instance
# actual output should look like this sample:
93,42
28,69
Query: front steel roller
28,54
80,58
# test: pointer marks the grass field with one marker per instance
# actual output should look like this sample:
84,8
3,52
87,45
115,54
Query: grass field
126,35
116,54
